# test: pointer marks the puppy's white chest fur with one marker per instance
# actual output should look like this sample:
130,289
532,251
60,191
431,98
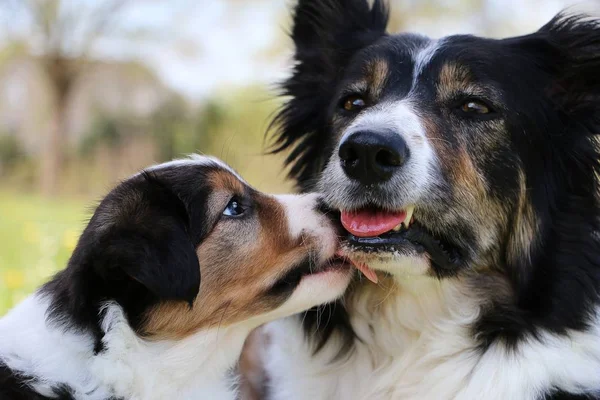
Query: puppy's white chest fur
191,368
415,342
128,367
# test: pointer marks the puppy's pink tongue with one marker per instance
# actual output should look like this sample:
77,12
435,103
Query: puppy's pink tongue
367,272
369,223
362,267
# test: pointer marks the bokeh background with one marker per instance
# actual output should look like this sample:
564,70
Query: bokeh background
93,90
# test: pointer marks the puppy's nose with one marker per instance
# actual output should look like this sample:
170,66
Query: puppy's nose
372,157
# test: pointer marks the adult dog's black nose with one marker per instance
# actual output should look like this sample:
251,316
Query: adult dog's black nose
372,157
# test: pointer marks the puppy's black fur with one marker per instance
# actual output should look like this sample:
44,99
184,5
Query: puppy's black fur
137,250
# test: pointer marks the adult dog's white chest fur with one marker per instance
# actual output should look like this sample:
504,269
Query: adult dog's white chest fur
415,342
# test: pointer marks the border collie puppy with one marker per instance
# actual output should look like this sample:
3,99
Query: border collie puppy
465,171
177,265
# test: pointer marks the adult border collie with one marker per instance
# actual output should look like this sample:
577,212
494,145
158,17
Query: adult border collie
130,318
465,172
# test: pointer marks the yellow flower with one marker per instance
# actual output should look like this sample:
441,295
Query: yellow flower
13,279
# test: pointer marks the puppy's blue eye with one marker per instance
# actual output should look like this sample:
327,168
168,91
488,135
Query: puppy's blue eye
234,208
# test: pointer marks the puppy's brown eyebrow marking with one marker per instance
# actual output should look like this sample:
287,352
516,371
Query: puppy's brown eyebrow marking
225,180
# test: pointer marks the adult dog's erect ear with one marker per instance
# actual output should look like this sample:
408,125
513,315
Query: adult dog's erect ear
326,34
576,41
568,48
329,31
140,236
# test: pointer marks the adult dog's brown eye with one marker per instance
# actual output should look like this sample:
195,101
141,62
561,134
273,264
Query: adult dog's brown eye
354,103
477,107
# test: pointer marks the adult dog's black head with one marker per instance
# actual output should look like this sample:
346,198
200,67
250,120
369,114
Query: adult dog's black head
454,157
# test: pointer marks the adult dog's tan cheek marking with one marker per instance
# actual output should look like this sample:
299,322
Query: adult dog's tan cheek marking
455,160
466,175
441,146
525,225
458,164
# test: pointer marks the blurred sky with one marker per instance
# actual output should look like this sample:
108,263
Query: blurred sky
198,47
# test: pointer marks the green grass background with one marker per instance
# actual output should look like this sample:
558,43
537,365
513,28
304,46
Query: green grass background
36,239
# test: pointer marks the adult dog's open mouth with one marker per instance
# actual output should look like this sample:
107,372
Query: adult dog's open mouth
373,230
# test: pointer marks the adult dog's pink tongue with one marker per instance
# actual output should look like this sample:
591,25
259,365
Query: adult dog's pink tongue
369,223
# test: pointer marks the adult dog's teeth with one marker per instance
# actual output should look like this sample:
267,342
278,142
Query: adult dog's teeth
397,227
408,218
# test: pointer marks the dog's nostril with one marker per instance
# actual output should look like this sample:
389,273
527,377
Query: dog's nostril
372,157
388,158
348,154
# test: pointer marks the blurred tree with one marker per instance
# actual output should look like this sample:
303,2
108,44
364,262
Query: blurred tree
177,130
61,34
103,131
212,117
169,124
10,152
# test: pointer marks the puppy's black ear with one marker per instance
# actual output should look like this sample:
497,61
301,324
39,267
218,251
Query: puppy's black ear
146,239
163,262
326,34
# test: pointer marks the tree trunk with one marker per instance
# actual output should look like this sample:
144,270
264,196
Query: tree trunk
52,153
61,77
